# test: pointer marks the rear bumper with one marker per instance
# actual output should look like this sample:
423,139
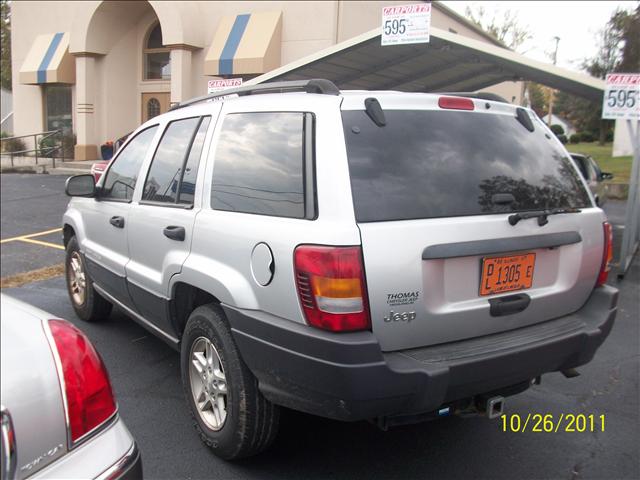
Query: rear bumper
347,377
129,467
109,455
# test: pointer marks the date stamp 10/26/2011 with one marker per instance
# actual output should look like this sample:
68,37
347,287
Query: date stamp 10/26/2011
550,423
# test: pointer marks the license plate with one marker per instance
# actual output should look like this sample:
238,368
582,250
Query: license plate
506,274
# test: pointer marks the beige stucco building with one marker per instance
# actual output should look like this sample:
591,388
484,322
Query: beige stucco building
98,69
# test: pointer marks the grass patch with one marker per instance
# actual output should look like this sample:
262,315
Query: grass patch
619,166
33,276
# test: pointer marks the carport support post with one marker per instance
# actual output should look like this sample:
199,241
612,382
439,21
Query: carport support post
631,234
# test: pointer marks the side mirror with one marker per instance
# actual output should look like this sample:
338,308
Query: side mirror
606,176
81,186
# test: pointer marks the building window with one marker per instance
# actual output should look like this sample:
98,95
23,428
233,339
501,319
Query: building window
157,58
57,108
153,108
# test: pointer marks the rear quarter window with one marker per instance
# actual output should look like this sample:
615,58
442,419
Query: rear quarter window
259,165
429,164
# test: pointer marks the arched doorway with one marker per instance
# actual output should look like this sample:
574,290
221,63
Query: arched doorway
122,62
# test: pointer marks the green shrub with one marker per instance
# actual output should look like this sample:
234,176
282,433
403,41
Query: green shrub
609,136
574,138
48,148
65,146
13,145
587,137
557,129
562,138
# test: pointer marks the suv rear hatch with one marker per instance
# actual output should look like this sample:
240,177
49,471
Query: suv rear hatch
433,190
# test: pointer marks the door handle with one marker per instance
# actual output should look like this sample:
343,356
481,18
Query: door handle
174,233
508,305
117,222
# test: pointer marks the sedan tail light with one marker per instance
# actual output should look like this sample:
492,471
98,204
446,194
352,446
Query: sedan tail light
86,389
331,287
607,254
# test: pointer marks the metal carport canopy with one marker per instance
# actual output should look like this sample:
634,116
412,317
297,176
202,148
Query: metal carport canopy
449,62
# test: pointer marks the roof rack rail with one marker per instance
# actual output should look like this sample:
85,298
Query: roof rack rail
479,95
315,85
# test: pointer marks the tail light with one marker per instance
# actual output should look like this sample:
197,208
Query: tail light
456,103
607,254
84,380
331,287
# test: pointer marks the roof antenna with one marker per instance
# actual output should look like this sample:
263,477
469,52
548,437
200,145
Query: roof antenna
374,110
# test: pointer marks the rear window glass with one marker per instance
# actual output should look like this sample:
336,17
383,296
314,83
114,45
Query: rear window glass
428,164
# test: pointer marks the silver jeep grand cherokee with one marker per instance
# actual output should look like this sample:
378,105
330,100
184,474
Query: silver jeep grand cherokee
356,255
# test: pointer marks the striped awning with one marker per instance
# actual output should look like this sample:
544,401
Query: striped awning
245,44
49,61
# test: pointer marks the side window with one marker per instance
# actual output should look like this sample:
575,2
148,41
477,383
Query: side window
591,172
188,185
123,173
259,164
596,169
181,144
580,162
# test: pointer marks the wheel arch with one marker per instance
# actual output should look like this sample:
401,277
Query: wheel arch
72,226
184,299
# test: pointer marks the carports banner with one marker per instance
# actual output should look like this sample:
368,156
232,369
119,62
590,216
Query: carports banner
406,24
622,96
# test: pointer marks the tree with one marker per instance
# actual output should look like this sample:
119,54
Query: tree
629,26
537,98
583,114
617,51
5,44
507,29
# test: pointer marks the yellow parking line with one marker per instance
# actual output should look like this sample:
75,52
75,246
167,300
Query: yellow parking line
40,242
37,234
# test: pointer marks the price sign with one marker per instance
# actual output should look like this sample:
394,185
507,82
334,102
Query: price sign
622,96
406,24
214,86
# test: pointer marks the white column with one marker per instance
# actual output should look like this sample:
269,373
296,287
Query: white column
86,143
180,75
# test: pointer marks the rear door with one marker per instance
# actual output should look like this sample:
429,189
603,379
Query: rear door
106,218
433,191
162,221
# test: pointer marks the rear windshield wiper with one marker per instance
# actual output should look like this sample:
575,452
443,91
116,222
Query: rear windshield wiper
541,215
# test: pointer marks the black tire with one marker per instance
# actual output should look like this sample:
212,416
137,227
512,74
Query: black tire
93,307
251,423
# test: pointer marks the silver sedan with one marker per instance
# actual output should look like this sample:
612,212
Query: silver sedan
59,416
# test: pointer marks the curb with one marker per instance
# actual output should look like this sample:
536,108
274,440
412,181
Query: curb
67,171
24,169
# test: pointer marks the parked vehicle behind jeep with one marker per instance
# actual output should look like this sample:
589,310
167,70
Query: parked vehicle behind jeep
355,255
594,176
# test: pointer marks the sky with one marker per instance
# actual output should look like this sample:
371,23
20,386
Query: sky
575,22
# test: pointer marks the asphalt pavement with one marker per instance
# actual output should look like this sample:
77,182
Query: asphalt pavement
30,204
145,373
